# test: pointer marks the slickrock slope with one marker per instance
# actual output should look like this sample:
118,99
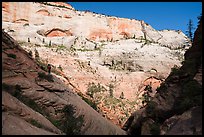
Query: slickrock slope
43,17
97,54
176,109
34,102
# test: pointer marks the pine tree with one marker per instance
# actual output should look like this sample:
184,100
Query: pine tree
50,44
190,29
122,95
37,57
111,90
30,53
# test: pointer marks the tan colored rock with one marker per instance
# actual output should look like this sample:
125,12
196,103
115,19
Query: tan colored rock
50,103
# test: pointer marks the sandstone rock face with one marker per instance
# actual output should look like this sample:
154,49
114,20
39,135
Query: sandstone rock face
33,105
189,123
176,107
93,26
116,54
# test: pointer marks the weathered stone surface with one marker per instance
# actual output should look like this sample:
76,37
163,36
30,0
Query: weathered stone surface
15,107
28,20
189,123
44,108
178,112
13,125
94,27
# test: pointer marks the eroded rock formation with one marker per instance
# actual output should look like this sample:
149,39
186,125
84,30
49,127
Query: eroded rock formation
176,107
34,102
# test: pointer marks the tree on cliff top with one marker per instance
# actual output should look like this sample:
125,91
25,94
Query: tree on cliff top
190,29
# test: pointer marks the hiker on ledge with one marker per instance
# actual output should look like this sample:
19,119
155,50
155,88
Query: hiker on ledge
49,68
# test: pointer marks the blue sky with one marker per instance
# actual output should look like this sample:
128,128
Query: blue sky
160,15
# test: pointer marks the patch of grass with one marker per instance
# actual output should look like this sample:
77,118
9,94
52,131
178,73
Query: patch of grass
11,55
111,101
61,47
84,50
48,77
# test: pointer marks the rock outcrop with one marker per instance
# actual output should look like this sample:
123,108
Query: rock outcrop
86,45
176,108
39,16
123,56
36,103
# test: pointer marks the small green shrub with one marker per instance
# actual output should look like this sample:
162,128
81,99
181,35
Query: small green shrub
93,88
71,125
30,53
50,44
111,89
35,123
111,101
37,56
148,88
42,65
146,98
56,123
88,101
11,55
